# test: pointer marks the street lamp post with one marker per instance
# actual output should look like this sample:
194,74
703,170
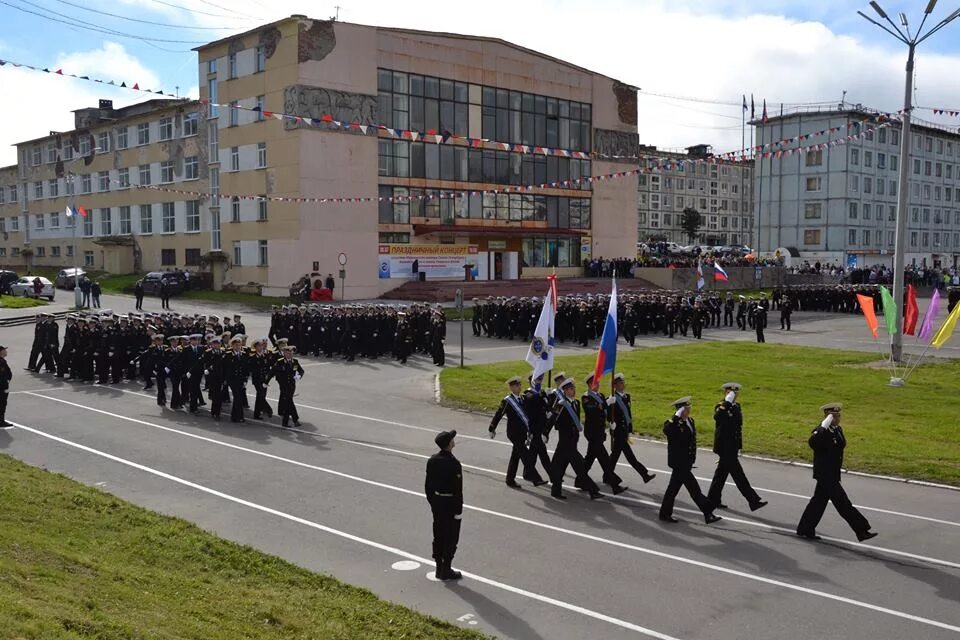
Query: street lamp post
900,241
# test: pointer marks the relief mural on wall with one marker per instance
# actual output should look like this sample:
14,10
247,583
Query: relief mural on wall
316,40
616,143
316,102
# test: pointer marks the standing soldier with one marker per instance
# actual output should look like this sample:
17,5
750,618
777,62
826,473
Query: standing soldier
565,416
536,404
760,321
728,305
192,363
595,431
38,341
260,364
444,489
213,369
727,442
519,433
828,443
622,417
681,435
288,372
157,360
786,310
235,373
6,375
138,292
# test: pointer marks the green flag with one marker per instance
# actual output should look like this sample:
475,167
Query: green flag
889,310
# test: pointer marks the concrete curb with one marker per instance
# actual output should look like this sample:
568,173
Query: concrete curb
788,463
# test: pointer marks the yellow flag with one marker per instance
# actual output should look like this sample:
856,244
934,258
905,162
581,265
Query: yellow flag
946,330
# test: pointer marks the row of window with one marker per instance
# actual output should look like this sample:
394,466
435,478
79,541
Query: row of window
423,103
403,159
867,238
712,222
556,211
260,63
262,254
667,184
168,257
716,205
882,159
918,215
51,189
550,252
700,169
104,221
166,130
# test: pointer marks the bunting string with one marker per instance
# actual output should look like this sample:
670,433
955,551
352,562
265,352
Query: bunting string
445,137
652,165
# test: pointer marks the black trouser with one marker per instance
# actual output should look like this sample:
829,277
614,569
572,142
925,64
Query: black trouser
193,390
785,320
260,405
697,330
161,388
730,465
567,454
728,318
683,478
3,405
236,409
759,328
103,368
285,406
831,491
538,450
597,451
34,354
446,535
520,453
741,323
139,302
621,445
216,396
176,398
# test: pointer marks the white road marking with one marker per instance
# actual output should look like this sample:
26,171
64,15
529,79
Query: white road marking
353,538
752,523
405,565
619,464
541,525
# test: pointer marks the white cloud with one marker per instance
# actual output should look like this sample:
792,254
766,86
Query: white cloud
719,50
39,103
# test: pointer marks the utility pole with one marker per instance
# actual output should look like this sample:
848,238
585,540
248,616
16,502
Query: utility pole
900,242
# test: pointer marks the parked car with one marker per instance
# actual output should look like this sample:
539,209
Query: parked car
67,278
7,278
176,283
24,287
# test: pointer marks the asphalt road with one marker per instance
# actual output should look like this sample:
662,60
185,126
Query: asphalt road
343,495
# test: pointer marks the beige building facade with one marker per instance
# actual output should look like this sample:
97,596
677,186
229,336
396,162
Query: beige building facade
103,167
411,80
506,117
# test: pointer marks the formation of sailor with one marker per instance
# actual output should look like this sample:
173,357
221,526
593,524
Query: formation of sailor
362,330
580,318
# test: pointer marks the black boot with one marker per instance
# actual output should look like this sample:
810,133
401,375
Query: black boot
448,571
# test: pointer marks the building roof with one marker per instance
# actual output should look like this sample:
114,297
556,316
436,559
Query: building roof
420,32
130,111
858,113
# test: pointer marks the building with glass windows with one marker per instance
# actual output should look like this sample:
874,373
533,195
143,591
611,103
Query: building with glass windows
463,122
98,166
719,190
838,204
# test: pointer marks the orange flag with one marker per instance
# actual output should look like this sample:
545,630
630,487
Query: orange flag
866,305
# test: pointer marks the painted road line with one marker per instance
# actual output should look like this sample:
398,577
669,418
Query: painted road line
554,528
354,538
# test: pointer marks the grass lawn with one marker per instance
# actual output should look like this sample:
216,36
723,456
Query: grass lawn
909,432
19,302
79,563
117,283
249,299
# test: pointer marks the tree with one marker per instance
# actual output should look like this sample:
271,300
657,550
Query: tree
691,223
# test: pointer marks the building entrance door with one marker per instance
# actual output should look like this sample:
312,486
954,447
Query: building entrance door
498,266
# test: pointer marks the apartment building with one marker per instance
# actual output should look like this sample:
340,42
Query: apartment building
98,167
719,190
839,204
451,85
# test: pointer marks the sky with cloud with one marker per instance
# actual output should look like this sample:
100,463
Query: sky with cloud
713,51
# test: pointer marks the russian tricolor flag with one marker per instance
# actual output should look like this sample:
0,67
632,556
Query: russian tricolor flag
607,356
719,273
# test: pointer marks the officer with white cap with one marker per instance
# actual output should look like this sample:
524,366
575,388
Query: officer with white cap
681,435
727,442
828,443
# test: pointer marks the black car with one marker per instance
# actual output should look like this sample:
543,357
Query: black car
7,278
176,283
